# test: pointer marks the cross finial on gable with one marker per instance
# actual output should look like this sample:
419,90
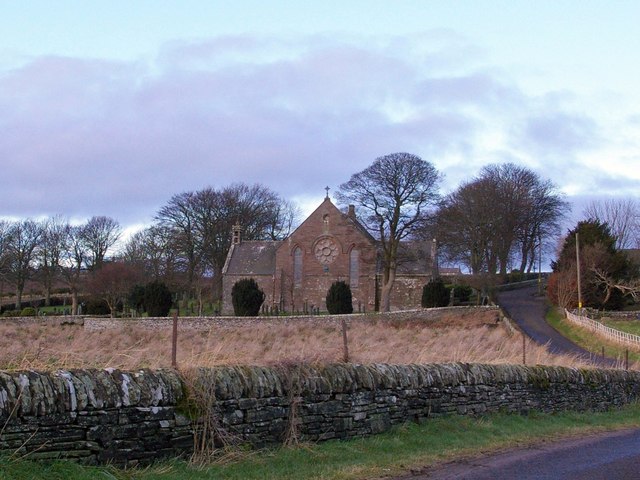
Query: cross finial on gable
327,190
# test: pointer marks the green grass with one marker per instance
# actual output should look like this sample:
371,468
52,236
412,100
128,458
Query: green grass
403,448
588,340
629,326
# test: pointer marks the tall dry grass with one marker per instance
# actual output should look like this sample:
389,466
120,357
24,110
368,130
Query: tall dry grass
472,336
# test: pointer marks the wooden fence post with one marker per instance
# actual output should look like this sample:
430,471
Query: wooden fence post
626,359
174,341
345,342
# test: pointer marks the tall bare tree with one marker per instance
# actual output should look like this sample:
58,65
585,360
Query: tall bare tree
99,234
5,230
23,239
200,225
499,218
74,257
622,215
49,254
396,193
178,218
151,250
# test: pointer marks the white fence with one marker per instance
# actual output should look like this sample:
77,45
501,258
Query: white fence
608,332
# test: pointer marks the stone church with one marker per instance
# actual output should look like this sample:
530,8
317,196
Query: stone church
296,273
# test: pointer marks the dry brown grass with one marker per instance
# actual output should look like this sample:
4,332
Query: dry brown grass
468,336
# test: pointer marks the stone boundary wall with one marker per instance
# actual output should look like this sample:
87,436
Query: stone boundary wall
49,320
345,400
206,323
94,416
125,418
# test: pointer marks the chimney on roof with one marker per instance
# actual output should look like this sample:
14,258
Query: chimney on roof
236,234
351,213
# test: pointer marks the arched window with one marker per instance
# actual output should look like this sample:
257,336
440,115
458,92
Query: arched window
354,268
297,267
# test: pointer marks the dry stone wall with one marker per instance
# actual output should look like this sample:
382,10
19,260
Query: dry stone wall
127,418
96,416
345,400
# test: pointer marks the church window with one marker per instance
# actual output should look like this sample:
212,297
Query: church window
354,268
297,267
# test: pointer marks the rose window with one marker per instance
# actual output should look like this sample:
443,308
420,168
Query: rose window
326,251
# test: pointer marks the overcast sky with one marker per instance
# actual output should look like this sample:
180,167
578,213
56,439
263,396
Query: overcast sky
110,108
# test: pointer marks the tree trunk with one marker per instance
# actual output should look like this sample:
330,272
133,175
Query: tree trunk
47,296
385,292
74,302
18,305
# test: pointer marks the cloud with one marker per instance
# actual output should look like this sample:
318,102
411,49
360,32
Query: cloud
87,137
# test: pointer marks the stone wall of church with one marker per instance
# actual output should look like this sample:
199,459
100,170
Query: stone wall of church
326,239
407,291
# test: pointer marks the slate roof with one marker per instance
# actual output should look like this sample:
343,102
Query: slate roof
252,257
414,258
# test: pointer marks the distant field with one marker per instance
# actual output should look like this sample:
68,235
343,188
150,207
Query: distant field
629,326
465,336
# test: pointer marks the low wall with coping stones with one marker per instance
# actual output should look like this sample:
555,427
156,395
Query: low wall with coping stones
95,416
206,323
126,418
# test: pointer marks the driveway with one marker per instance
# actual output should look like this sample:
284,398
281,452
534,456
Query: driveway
528,311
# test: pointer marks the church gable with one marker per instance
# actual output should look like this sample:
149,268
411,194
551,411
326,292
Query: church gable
328,246
326,228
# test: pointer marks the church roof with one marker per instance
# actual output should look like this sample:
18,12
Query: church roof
252,257
414,258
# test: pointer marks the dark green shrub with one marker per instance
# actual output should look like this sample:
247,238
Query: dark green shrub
11,313
95,306
339,299
462,292
435,294
135,299
157,299
28,312
246,298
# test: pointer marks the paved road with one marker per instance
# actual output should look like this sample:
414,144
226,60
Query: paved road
611,456
528,311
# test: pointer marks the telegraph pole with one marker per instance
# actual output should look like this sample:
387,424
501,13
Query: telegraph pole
578,272
539,264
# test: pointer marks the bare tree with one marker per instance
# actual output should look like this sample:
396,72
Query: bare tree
465,227
178,218
395,192
200,225
623,217
499,218
99,234
5,231
113,282
151,250
49,254
74,256
23,239
629,287
262,213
